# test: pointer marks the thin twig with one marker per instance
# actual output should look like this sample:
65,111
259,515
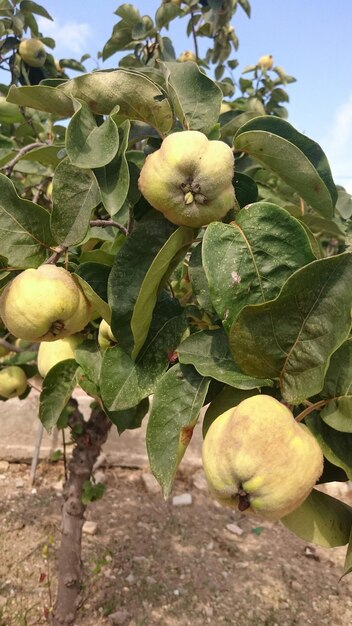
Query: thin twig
10,346
31,146
106,223
194,34
313,407
56,255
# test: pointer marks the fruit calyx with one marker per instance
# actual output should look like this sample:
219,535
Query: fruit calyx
56,327
243,499
192,192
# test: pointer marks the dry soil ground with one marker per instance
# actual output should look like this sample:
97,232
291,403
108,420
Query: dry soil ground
152,563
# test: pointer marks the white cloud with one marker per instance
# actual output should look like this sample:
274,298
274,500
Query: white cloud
338,145
71,37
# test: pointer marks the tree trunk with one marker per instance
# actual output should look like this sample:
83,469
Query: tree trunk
89,437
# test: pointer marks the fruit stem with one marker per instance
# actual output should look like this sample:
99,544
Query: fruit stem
312,407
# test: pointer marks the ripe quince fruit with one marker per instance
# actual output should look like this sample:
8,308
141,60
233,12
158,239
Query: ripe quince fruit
3,351
266,62
189,179
13,381
44,304
105,337
32,52
258,459
187,55
52,352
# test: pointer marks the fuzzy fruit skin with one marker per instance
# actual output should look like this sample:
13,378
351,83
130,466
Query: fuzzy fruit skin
266,62
187,55
44,304
13,381
189,179
32,52
258,459
52,352
105,337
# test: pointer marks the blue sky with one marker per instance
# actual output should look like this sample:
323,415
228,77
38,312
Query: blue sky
311,40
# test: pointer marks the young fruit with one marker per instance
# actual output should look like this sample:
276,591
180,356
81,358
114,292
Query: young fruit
52,352
32,52
189,179
105,337
44,304
13,381
258,459
266,62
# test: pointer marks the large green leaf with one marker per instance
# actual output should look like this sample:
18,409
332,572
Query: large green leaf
294,336
299,161
248,261
128,273
321,519
164,262
99,306
97,276
129,418
24,228
338,387
90,144
125,382
199,280
50,156
348,561
58,386
114,178
195,97
335,445
43,98
75,195
169,431
209,353
138,97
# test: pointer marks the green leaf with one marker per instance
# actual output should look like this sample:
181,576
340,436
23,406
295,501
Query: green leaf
199,280
58,386
338,387
209,353
246,190
294,336
114,178
92,492
49,156
336,446
321,519
348,561
195,98
248,261
24,228
165,14
88,144
299,161
43,98
33,7
100,307
128,273
96,275
227,399
89,357
75,195
129,419
138,97
162,265
169,432
124,382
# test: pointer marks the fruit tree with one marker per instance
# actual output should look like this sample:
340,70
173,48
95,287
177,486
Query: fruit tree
170,242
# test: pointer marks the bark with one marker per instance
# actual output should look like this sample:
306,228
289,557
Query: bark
88,442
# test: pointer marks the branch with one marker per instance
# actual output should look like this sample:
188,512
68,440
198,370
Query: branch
312,407
9,346
92,435
105,223
56,255
9,167
194,34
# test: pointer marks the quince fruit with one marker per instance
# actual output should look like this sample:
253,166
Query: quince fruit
187,55
189,179
52,352
13,381
44,304
266,62
3,351
258,459
32,52
105,337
